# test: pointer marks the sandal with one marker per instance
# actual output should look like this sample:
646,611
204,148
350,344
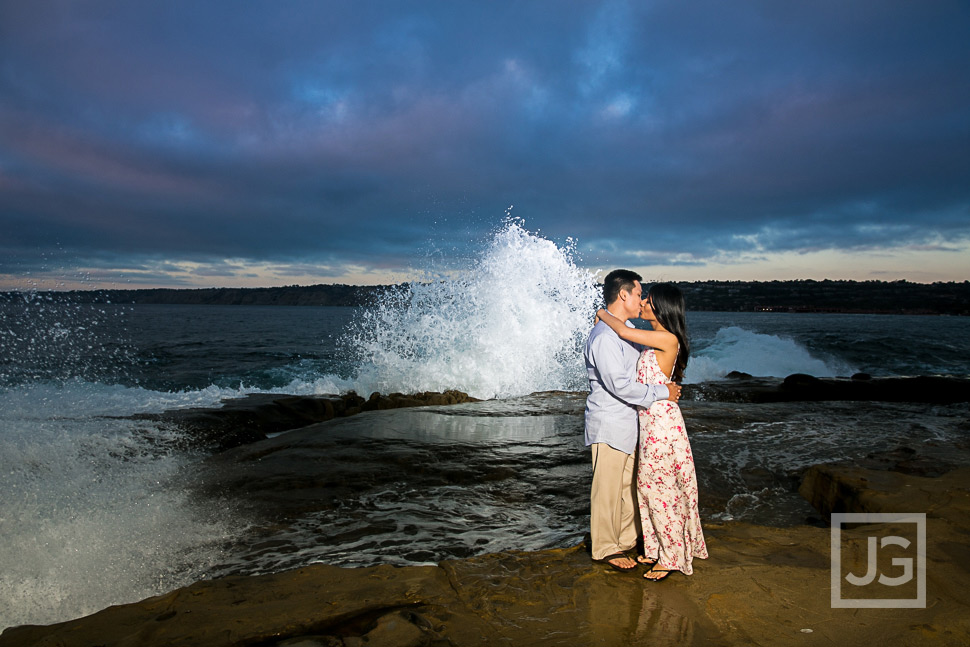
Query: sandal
665,575
608,560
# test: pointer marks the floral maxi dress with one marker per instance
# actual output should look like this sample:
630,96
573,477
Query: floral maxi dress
666,481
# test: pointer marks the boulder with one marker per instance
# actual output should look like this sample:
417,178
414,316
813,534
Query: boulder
845,488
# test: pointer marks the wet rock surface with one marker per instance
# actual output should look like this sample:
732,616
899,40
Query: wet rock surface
410,486
257,416
761,586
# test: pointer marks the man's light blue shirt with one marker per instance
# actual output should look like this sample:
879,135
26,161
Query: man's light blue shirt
614,393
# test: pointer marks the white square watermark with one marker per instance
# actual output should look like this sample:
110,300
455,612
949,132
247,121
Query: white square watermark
874,582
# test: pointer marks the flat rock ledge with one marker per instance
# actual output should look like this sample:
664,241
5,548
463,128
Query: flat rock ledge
240,421
249,419
761,586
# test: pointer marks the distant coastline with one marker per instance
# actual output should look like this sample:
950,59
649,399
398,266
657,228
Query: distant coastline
870,297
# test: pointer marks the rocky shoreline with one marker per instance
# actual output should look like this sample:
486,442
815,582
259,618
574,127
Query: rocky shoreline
258,416
761,585
254,418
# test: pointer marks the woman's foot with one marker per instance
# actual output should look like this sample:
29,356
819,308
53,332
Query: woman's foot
645,561
655,574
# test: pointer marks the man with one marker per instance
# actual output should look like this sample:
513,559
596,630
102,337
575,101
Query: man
612,424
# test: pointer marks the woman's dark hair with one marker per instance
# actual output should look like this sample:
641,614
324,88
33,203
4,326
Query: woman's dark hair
668,307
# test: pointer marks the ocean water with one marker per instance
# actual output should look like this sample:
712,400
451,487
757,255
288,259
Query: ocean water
98,508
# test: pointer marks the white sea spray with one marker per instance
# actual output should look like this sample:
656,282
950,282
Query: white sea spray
764,355
512,324
95,509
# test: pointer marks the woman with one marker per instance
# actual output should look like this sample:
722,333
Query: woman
666,482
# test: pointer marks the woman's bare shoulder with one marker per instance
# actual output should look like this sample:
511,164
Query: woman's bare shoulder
670,342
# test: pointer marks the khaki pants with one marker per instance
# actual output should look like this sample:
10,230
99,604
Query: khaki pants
613,502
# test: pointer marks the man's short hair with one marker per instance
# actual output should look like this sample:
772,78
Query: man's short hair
618,280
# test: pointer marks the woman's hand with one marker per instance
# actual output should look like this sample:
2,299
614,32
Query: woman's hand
674,391
599,316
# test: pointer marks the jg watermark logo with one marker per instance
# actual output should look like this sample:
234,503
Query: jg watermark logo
894,575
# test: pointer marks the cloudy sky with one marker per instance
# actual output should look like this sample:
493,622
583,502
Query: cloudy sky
227,143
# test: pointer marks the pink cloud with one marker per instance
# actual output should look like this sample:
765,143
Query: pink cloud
79,157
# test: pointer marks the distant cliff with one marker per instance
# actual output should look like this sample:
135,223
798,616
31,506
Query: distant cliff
894,297
888,297
290,295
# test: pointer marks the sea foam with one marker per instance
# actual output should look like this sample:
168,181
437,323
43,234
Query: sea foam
511,324
736,349
94,509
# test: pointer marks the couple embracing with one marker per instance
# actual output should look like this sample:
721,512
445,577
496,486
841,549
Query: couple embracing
647,487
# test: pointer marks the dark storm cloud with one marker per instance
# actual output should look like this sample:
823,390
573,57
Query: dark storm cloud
324,134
